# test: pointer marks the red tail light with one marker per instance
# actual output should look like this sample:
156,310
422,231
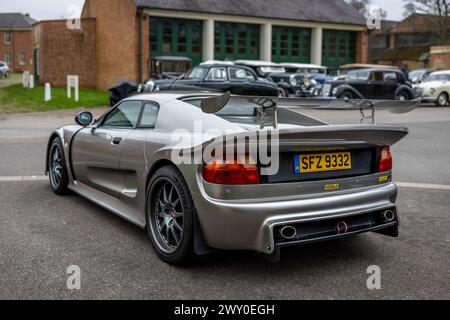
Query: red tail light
385,159
231,174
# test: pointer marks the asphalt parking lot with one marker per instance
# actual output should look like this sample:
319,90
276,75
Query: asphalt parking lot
42,234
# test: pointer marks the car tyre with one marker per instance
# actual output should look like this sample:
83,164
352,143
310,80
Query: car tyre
346,95
442,100
170,217
403,96
57,169
282,93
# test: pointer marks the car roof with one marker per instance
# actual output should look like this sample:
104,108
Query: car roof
441,72
225,65
302,65
367,66
374,69
173,58
216,62
257,63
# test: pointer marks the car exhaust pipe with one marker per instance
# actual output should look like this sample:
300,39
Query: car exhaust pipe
389,215
288,232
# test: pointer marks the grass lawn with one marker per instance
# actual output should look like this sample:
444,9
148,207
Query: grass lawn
16,99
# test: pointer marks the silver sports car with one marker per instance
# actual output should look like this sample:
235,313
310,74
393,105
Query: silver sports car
204,172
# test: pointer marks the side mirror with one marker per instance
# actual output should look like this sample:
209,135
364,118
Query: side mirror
84,118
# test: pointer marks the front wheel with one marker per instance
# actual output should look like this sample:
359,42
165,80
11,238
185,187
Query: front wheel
282,93
170,216
442,100
57,170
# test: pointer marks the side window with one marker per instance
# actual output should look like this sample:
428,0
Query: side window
390,76
149,115
217,74
377,76
237,74
250,76
125,115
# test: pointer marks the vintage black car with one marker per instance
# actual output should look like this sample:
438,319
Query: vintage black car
169,67
371,84
238,80
263,69
298,79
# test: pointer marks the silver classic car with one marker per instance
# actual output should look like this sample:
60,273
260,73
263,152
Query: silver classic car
203,172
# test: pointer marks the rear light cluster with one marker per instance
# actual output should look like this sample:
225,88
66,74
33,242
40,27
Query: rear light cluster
231,173
385,160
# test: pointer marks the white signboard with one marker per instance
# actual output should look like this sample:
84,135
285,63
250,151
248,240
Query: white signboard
72,82
26,79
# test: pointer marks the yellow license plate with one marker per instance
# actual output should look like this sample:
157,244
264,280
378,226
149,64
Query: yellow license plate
323,162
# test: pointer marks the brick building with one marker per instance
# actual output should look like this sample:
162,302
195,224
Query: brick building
16,46
128,33
408,42
60,51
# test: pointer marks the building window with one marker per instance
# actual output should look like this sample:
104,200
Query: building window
405,40
22,58
8,37
339,47
234,41
176,37
291,44
8,57
380,42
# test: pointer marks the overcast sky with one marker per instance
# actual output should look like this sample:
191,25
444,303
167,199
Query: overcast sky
56,9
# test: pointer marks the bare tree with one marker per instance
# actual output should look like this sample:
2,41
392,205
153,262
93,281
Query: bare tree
440,9
360,5
363,7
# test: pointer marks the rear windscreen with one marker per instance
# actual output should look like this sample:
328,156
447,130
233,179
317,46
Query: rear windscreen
228,111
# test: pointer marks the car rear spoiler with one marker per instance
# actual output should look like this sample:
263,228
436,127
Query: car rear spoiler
267,106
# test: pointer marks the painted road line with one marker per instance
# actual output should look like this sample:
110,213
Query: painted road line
423,186
23,178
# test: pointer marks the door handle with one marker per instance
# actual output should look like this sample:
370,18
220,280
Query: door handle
116,140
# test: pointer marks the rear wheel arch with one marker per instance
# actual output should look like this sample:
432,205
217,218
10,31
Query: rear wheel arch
155,167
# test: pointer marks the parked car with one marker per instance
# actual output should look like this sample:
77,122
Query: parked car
4,69
262,68
344,69
239,80
169,67
330,182
419,75
435,88
298,79
371,84
304,68
122,90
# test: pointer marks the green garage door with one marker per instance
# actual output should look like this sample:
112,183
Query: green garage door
234,41
291,44
339,48
176,37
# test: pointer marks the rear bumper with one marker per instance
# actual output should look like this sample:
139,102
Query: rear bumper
242,224
428,99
